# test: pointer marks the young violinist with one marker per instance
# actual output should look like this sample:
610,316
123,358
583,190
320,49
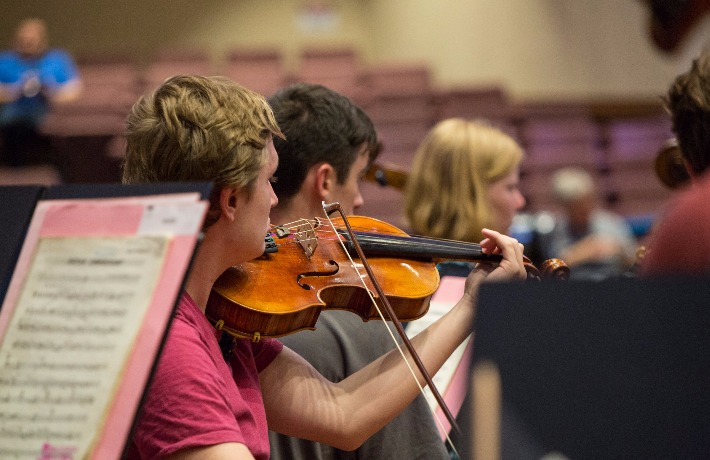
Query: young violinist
329,144
200,405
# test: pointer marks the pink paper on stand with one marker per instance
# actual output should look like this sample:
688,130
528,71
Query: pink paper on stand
450,291
171,222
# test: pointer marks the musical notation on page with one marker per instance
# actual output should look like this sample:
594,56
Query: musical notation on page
76,317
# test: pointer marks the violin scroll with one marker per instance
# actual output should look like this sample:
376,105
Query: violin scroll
387,175
670,167
553,269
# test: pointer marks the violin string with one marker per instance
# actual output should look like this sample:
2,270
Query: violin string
314,222
433,245
377,307
297,223
414,235
419,241
394,339
426,241
302,240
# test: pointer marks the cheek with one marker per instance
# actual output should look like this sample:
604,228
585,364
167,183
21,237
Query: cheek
355,190
504,208
347,193
513,202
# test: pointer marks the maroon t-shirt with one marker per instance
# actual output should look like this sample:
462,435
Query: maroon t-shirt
680,244
196,398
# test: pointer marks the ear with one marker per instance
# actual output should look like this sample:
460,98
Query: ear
691,172
228,199
324,179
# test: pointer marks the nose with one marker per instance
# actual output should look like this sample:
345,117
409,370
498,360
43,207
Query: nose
274,198
521,201
358,201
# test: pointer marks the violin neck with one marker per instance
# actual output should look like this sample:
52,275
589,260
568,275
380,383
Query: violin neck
418,248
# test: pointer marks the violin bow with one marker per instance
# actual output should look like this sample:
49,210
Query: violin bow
329,209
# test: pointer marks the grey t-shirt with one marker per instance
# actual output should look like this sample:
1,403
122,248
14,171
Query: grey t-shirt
342,344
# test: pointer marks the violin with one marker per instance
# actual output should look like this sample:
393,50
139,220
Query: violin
312,265
387,175
304,270
669,165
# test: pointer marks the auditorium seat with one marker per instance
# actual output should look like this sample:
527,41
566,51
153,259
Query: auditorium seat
553,141
168,62
488,102
337,68
261,70
110,86
635,141
396,78
631,147
400,138
399,102
43,174
110,83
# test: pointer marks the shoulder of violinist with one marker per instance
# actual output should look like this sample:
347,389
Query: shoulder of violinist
679,244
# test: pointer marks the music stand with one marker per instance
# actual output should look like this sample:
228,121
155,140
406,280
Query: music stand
611,369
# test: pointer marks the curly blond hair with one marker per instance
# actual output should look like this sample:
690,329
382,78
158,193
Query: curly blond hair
196,128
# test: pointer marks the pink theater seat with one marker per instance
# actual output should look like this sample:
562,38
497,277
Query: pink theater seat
631,147
261,70
30,175
168,62
488,102
336,68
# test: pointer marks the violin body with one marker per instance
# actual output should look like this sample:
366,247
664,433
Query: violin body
283,292
314,266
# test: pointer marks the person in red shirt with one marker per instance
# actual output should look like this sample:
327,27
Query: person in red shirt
679,243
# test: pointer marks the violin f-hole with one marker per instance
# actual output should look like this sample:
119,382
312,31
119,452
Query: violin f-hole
308,287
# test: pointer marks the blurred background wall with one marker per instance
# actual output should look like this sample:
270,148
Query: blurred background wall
534,48
576,82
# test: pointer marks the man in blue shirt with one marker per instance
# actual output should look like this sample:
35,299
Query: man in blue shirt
32,78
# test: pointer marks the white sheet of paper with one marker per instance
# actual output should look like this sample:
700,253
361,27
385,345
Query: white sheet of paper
74,323
176,218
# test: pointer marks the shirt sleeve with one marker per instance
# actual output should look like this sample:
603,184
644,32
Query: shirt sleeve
680,244
265,351
186,405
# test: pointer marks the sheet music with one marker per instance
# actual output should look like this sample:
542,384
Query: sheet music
74,323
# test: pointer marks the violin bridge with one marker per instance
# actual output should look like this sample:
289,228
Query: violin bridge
306,236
